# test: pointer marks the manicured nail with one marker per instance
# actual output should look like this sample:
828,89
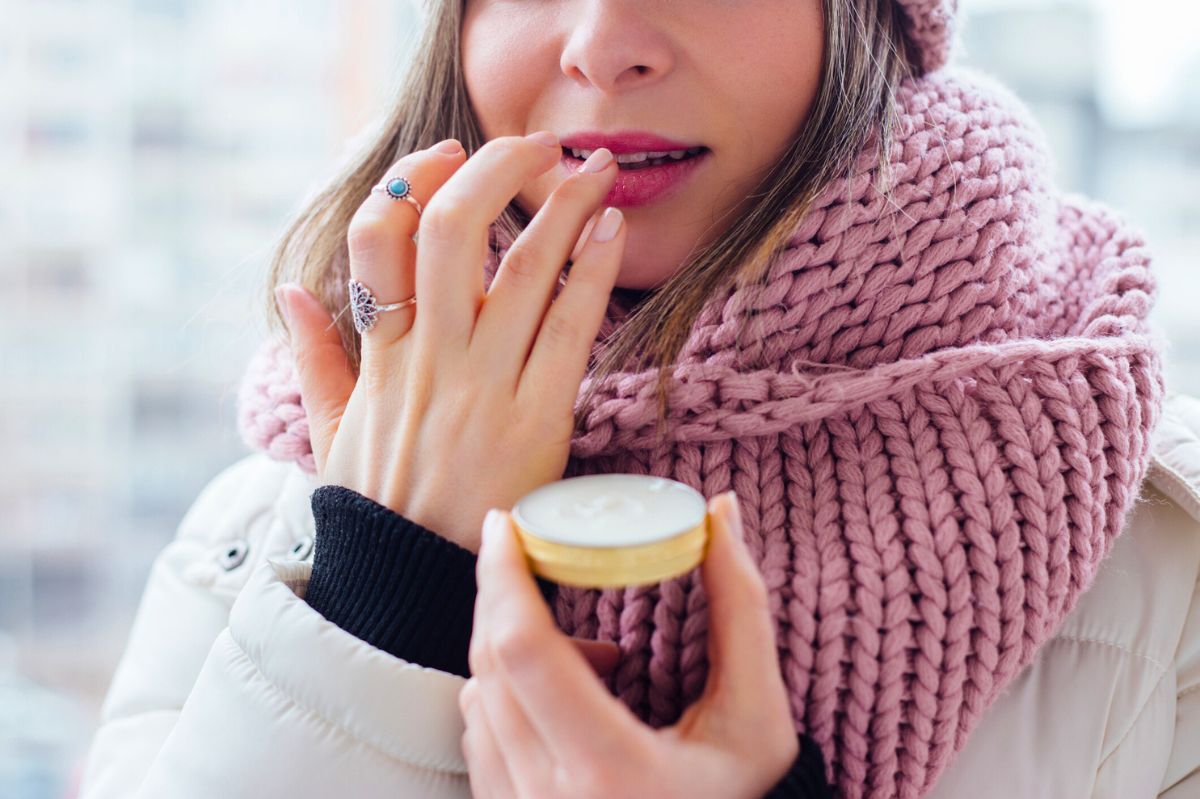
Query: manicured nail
281,297
544,137
733,514
449,146
607,227
597,161
491,523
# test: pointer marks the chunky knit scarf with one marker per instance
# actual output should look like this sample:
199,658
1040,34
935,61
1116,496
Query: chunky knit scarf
936,413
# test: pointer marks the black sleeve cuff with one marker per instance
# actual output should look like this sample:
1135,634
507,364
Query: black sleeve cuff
393,583
806,778
390,581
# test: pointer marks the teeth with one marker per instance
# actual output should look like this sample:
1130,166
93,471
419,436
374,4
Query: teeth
637,158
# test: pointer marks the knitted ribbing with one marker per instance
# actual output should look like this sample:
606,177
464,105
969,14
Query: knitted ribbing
936,415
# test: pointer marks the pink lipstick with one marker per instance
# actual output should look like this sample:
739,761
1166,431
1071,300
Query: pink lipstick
654,167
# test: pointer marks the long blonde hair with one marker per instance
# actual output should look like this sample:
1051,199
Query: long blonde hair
866,55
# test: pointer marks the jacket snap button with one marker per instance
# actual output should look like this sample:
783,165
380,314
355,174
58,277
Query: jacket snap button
233,554
302,548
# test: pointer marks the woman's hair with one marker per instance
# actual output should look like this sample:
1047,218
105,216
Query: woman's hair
866,56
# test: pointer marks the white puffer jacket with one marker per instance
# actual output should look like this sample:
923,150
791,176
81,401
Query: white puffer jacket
232,686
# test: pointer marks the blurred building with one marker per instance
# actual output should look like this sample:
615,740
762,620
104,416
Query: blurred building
151,153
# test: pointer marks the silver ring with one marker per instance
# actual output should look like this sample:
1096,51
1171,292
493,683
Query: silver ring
365,308
400,190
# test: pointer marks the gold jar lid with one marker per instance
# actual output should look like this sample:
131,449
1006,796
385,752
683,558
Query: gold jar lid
611,530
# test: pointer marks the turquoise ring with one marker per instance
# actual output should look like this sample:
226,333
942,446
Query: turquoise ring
400,190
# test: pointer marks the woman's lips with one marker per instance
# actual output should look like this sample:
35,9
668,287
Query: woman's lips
649,183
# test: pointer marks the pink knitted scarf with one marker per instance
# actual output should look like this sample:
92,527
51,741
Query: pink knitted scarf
936,414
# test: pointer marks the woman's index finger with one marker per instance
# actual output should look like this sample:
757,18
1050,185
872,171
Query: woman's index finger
454,226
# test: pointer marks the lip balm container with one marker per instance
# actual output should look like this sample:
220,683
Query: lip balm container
612,530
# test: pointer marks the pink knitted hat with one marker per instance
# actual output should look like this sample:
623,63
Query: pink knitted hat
936,414
931,30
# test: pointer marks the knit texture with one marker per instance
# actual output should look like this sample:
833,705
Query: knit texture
936,413
930,30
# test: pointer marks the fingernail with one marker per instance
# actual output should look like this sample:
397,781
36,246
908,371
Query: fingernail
449,146
491,522
733,514
281,297
544,137
607,227
597,161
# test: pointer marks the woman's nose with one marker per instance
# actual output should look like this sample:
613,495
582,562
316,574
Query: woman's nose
617,45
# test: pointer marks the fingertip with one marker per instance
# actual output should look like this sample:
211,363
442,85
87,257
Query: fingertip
714,554
291,295
308,317
494,544
486,535
733,515
726,515
608,226
289,289
728,556
492,522
449,146
741,630
484,555
717,512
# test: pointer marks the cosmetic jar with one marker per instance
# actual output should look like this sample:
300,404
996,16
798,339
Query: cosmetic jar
612,530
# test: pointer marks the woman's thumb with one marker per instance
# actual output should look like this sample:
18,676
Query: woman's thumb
743,662
322,366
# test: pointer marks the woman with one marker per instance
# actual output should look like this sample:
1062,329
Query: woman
849,294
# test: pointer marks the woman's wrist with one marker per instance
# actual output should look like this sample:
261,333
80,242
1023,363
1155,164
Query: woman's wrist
806,777
392,582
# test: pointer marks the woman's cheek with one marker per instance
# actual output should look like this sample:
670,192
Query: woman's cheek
504,59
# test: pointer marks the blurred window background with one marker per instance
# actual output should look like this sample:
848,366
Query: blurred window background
151,152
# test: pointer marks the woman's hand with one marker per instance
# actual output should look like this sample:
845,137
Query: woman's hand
539,723
465,400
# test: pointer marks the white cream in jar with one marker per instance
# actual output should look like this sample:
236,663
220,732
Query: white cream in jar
608,530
